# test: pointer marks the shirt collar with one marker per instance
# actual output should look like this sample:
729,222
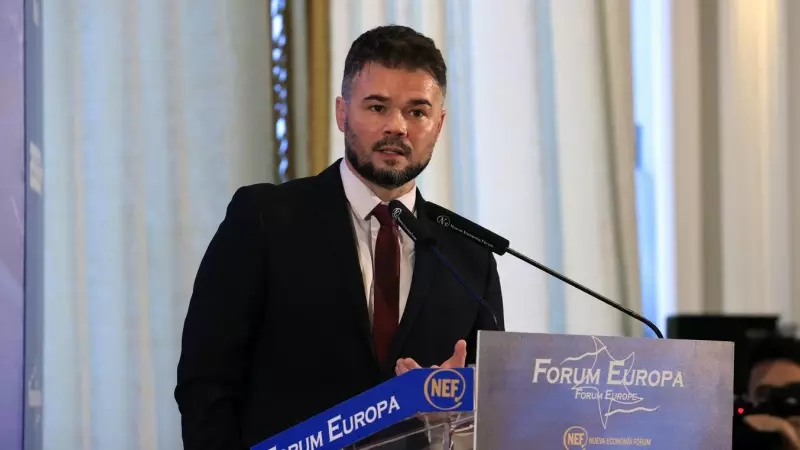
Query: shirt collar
361,197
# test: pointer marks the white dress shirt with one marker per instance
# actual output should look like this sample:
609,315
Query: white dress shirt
362,201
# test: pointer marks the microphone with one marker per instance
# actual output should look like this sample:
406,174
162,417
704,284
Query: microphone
420,234
406,220
467,228
501,245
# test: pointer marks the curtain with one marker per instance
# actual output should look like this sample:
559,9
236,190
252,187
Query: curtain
735,107
538,143
155,112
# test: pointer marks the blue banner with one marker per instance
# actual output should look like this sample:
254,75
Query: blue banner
420,390
13,216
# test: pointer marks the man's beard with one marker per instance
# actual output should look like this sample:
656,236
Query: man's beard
385,178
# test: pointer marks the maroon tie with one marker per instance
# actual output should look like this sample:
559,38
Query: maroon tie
386,298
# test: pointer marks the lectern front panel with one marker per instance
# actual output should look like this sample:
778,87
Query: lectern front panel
585,392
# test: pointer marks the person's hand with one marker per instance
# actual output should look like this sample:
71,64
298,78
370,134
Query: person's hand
772,424
458,359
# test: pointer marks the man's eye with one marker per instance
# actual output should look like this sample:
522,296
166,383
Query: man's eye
418,113
761,393
376,108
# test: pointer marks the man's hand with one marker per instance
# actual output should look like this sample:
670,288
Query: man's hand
458,359
763,422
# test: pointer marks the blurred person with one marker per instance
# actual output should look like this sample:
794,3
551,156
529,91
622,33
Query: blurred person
774,397
308,294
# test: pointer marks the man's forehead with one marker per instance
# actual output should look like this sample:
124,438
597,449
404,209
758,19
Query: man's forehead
380,80
777,373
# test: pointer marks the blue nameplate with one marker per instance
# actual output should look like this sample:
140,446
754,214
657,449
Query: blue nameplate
420,390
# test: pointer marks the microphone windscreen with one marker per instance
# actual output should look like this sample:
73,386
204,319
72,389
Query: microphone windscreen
467,228
406,220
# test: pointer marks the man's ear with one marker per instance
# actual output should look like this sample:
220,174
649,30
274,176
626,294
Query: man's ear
341,112
441,123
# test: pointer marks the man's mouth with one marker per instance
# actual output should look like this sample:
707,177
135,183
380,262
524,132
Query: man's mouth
392,151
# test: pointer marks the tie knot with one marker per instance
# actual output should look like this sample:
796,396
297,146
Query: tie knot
381,212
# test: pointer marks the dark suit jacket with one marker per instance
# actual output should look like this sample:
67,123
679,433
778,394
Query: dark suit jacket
278,330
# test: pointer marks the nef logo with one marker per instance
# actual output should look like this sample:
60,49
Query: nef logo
575,438
444,389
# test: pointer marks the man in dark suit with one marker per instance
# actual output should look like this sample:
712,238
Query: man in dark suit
308,294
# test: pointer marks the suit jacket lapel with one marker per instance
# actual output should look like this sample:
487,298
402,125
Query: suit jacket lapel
339,237
425,268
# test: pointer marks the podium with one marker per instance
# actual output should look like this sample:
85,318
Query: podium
541,391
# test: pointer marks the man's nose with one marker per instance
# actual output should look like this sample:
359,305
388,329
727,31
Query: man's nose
395,124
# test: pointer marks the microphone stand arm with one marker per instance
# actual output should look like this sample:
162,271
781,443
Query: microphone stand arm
586,290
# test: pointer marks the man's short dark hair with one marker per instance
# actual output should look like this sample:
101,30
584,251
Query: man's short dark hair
775,349
395,47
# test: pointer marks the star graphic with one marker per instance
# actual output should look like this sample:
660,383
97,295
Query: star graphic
601,358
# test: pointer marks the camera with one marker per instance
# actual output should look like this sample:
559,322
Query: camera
782,402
